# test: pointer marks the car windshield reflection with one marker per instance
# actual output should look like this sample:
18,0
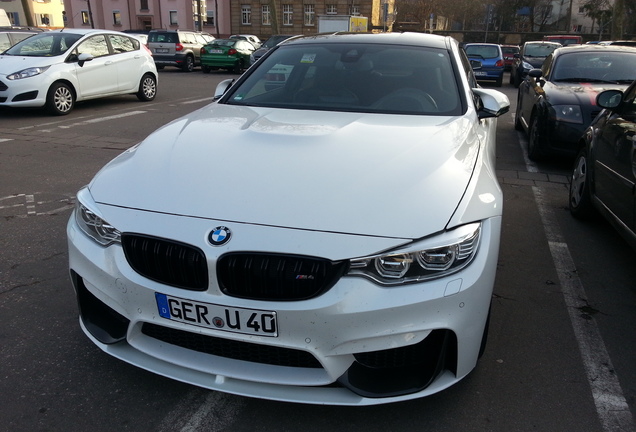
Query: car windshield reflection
350,77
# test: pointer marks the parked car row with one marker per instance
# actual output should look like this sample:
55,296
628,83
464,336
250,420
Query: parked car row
580,103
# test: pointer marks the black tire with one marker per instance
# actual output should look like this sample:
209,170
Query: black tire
579,197
147,88
205,69
511,80
239,68
499,81
535,142
60,99
188,64
516,81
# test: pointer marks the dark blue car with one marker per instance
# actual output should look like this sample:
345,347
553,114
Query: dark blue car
492,61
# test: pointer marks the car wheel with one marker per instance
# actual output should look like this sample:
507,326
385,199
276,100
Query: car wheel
239,68
517,81
60,99
188,64
147,88
499,81
512,79
205,69
534,140
580,202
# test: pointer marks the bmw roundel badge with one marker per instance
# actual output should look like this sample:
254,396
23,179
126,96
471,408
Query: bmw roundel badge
219,236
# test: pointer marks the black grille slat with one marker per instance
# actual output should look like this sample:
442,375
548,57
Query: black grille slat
275,276
166,261
237,350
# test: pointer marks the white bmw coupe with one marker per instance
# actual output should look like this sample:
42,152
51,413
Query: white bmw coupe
326,231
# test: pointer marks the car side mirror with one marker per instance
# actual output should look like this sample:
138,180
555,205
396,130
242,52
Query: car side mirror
84,57
609,99
516,55
222,87
475,64
492,103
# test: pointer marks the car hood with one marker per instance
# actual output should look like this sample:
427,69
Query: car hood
11,64
369,174
584,94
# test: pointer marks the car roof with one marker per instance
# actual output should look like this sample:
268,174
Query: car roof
594,48
82,31
483,44
406,38
542,43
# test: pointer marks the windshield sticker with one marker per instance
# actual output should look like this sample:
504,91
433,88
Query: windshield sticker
308,58
238,97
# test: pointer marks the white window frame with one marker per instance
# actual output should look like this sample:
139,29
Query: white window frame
266,15
210,19
310,15
355,10
246,14
288,14
331,9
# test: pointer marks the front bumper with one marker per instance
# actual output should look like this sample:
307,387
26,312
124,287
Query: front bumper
229,62
26,92
356,344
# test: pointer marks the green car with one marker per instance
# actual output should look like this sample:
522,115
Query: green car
230,54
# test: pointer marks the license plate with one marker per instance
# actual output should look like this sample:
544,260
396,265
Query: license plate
217,317
161,50
216,51
477,73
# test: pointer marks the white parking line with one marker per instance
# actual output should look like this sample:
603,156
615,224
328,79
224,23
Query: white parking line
102,119
611,407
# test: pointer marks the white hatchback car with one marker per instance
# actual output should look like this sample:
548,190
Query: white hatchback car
57,68
331,240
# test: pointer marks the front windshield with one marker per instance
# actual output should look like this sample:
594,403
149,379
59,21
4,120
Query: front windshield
44,45
392,79
598,66
539,50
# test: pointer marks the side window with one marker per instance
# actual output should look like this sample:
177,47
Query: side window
122,44
96,46
472,82
5,43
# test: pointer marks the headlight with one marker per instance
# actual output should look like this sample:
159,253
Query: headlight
526,66
568,113
92,224
26,73
457,250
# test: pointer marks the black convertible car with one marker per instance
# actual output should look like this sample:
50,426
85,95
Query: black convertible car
556,103
604,174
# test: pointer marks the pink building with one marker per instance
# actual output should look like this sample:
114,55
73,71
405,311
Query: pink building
150,14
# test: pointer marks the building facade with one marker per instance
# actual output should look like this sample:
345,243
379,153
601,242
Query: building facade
212,16
267,17
35,13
